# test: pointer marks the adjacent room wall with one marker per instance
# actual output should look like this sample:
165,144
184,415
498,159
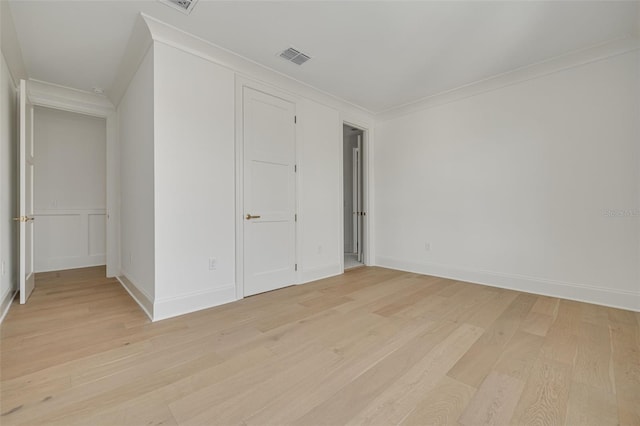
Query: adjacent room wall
8,194
533,186
194,182
135,118
69,190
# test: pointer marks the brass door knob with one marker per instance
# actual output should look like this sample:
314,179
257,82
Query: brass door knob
249,217
24,218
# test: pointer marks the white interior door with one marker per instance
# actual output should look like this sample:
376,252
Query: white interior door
269,192
358,195
354,191
25,209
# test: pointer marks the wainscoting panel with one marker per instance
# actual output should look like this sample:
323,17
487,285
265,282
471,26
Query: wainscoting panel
66,239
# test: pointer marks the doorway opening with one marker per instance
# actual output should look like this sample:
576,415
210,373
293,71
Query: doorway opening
69,192
353,194
68,184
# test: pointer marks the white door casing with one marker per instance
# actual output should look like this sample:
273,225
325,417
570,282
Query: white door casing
269,192
25,191
61,98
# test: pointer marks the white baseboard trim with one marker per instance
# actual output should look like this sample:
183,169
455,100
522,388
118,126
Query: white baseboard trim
184,304
63,263
6,302
579,292
320,272
141,298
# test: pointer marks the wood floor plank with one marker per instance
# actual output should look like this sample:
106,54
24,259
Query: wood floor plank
591,406
625,347
405,300
561,341
467,303
519,355
443,405
544,399
399,398
371,346
242,404
364,352
546,306
492,309
537,323
593,363
494,402
476,364
351,399
82,400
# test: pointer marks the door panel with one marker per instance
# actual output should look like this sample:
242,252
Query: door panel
269,192
270,188
25,208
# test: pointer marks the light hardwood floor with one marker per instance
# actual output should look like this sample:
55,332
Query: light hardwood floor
373,346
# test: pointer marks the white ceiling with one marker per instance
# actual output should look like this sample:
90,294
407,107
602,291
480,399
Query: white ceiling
378,55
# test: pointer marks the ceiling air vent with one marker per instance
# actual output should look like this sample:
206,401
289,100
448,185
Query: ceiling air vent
184,6
295,56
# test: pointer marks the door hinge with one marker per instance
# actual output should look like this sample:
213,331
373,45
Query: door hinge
295,267
295,119
295,168
295,217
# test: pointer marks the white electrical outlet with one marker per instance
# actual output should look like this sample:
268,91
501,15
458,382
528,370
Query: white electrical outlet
427,246
213,263
319,249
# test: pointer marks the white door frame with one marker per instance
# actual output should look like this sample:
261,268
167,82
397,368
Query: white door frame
77,101
242,82
367,168
25,195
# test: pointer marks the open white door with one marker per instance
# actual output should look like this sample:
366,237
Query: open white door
25,209
355,182
269,192
357,202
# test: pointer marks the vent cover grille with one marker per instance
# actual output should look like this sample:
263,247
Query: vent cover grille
295,56
185,6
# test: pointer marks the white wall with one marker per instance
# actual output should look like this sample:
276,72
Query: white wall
194,182
8,195
9,44
11,71
183,140
513,187
135,118
319,144
69,190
